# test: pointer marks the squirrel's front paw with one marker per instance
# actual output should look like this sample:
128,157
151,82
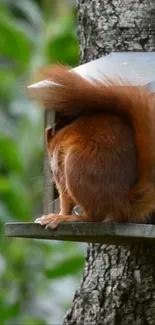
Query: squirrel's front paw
50,221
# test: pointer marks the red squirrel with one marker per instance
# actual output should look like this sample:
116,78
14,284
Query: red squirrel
104,160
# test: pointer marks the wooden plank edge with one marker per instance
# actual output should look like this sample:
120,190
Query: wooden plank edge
109,233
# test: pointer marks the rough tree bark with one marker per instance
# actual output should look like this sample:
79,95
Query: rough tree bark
118,286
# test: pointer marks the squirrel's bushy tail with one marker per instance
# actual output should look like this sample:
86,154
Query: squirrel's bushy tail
71,94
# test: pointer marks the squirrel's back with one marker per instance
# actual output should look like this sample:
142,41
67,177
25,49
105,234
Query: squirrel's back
96,158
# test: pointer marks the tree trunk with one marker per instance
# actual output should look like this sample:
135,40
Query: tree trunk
118,286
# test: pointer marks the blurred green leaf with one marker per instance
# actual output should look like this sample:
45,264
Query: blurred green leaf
17,199
70,266
62,37
33,321
8,83
9,155
69,44
13,43
10,311
4,185
31,11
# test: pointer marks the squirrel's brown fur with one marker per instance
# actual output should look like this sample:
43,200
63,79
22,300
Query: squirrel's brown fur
104,160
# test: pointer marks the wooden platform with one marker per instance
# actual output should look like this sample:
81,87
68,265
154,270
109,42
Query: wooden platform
112,233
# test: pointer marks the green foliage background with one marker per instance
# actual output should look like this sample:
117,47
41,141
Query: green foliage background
37,278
